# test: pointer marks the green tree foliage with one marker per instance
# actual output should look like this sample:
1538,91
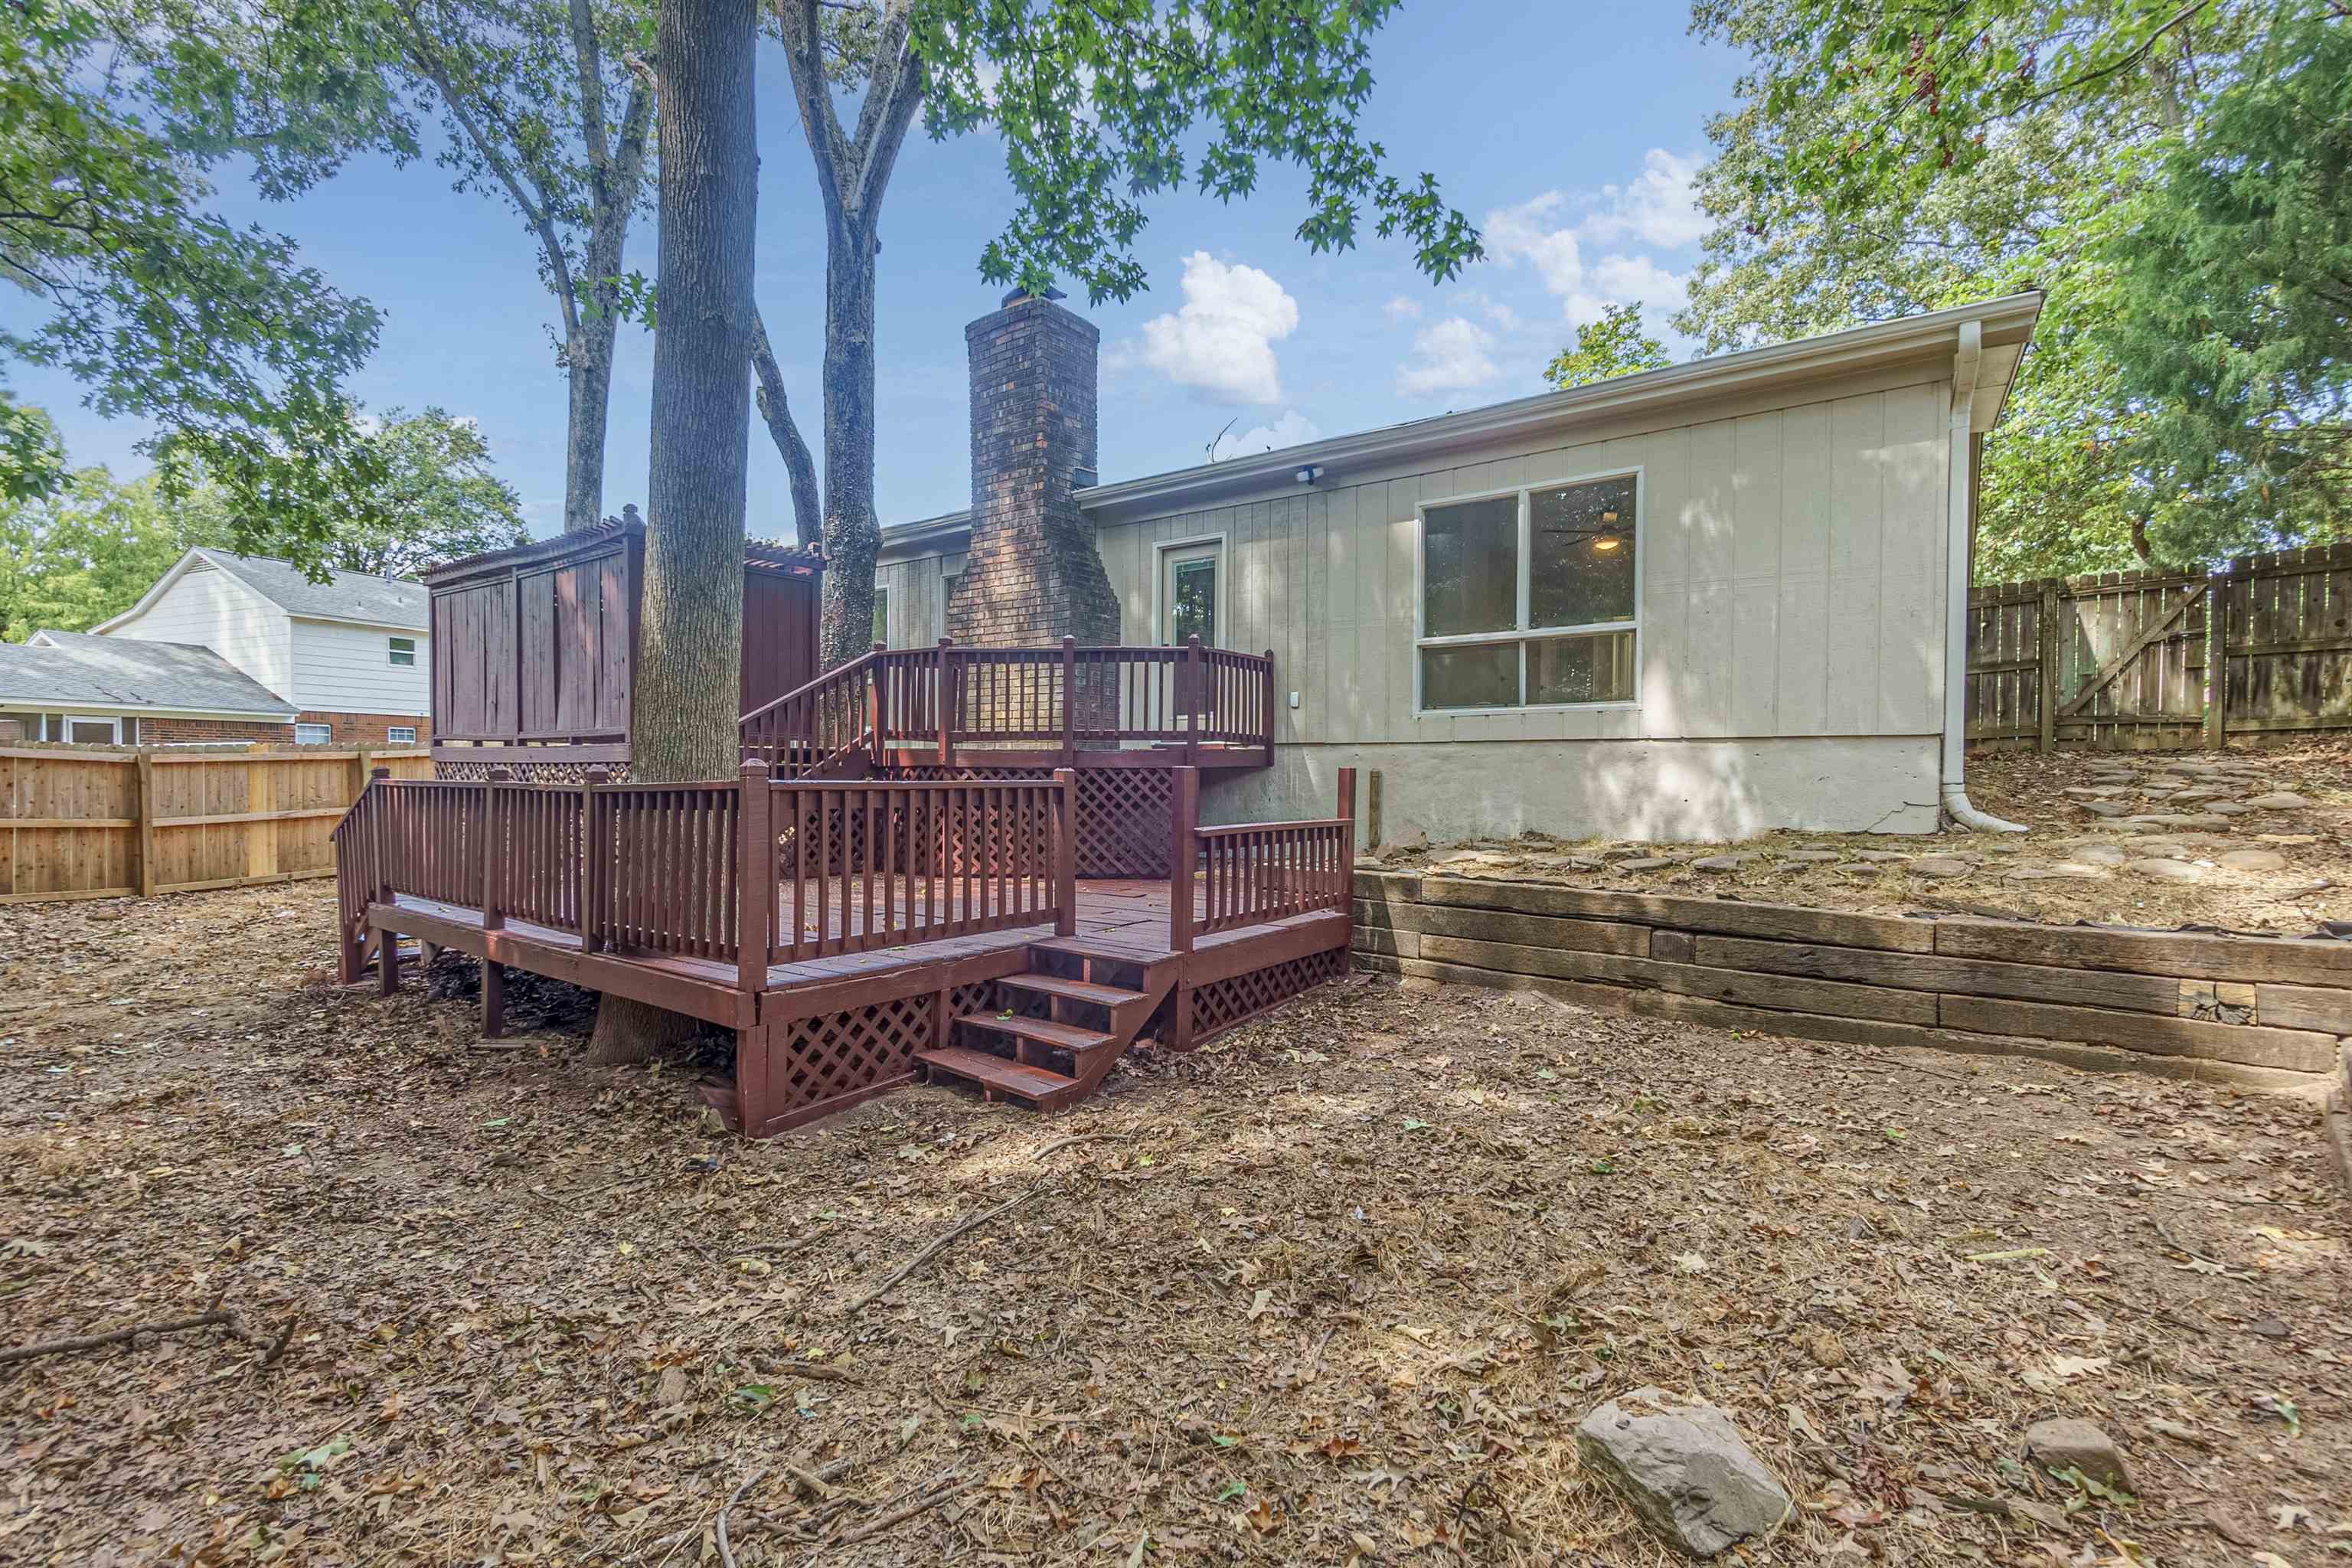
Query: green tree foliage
545,105
1951,164
233,352
87,549
1613,346
2239,274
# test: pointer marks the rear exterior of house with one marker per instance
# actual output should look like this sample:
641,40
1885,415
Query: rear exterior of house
352,656
1699,603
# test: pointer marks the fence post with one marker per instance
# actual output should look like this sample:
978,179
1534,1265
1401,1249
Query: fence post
1373,810
755,879
1344,873
1183,821
876,704
1194,702
2046,667
146,821
593,864
1069,702
1065,848
2217,660
945,705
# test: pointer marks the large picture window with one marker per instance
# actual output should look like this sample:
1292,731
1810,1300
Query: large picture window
1531,598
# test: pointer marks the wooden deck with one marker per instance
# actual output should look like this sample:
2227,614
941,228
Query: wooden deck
855,933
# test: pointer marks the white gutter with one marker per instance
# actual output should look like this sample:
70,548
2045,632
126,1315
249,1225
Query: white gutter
1958,509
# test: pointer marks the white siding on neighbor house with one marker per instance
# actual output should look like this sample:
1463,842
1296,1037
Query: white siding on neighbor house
342,669
1791,566
208,608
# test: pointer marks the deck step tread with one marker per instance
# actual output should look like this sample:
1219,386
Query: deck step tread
1068,1036
996,1072
1073,990
1110,948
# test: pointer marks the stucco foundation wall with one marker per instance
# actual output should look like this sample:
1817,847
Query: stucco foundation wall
1640,790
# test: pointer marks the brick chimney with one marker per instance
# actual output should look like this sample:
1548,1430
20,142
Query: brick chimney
1033,576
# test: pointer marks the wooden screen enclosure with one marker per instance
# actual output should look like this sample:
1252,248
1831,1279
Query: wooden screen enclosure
535,649
979,865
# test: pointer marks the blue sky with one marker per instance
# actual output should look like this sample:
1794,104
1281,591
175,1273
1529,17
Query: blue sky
1567,133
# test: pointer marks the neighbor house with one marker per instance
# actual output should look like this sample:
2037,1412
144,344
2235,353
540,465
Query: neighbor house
352,655
81,690
1701,602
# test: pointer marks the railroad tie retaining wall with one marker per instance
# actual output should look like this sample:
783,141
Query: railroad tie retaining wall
2264,1011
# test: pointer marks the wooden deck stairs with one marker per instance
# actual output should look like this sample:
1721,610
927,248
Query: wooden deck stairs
1057,1027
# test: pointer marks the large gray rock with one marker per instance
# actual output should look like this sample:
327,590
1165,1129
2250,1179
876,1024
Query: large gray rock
2066,1444
1684,1469
2279,800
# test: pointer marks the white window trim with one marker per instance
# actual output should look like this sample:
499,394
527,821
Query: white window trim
114,719
391,654
1160,582
392,734
1524,634
328,739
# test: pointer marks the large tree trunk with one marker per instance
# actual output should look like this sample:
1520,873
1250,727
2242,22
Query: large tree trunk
687,673
853,534
588,359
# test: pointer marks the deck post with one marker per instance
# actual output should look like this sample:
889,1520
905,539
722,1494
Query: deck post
1069,702
1267,712
1184,820
1065,845
494,997
945,706
382,885
592,863
494,893
1194,701
755,880
876,706
1343,874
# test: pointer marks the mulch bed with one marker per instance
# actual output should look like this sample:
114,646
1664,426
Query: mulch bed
1335,1289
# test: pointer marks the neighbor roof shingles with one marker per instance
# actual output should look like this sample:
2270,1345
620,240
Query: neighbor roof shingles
65,669
347,596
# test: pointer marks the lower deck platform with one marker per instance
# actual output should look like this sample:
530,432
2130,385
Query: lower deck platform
1021,1011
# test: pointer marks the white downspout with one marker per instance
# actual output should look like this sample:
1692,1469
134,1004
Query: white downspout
1959,512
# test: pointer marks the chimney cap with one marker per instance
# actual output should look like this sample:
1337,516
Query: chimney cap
1013,296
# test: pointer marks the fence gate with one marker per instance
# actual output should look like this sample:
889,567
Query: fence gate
2141,661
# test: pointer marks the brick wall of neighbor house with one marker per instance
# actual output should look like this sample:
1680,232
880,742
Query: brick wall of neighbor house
368,729
183,731
1033,576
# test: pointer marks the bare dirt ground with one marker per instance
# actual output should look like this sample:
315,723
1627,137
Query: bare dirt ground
2162,839
1335,1289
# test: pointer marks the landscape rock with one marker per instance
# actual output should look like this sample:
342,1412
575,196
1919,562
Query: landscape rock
1684,1467
1939,865
2100,855
2066,1444
2103,808
2279,800
1882,856
1731,862
2157,870
2228,808
1809,857
1645,863
2254,860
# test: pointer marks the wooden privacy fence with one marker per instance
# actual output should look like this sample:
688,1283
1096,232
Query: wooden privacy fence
1066,698
84,823
2139,660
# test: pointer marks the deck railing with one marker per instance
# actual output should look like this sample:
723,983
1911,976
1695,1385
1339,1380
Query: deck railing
1256,873
863,865
745,873
1065,698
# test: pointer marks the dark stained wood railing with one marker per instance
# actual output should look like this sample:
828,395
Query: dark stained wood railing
1067,697
668,852
1257,872
864,865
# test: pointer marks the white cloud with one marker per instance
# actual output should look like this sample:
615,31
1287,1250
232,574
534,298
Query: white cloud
1293,429
1619,279
1401,308
1659,208
1222,340
1448,356
1523,233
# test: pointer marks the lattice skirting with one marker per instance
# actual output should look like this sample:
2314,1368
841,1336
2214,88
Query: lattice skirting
529,772
1220,1004
1122,814
818,1066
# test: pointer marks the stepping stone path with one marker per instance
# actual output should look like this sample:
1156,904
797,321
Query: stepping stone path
2103,807
2254,860
1886,857
1939,865
2101,854
2168,871
1808,858
1725,862
1647,863
2280,800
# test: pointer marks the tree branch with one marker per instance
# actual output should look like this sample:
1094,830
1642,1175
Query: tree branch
588,57
892,94
820,127
808,513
